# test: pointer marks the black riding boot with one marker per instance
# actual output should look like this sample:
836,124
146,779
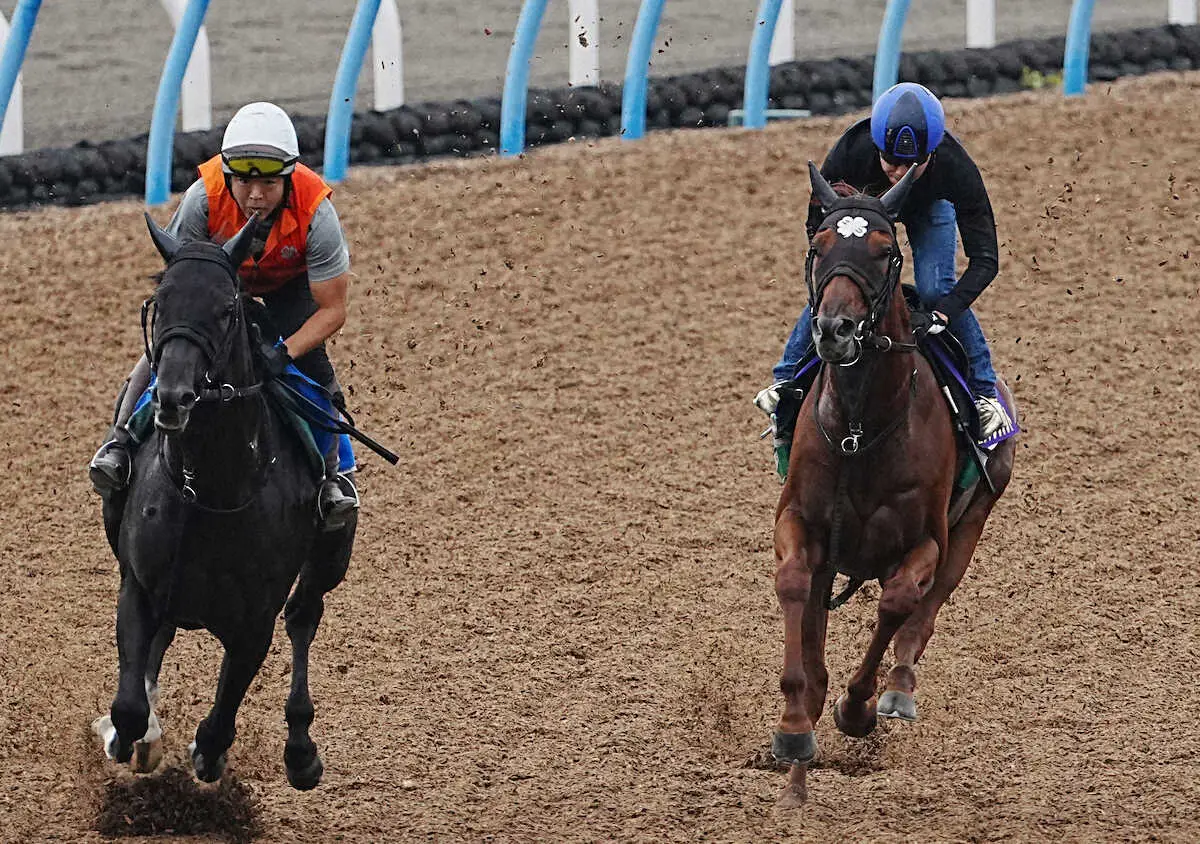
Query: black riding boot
112,465
337,498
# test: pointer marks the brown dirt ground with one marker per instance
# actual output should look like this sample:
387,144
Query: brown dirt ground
559,623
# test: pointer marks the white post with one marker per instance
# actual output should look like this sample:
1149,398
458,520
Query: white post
387,57
196,92
12,137
783,42
1181,12
583,43
981,23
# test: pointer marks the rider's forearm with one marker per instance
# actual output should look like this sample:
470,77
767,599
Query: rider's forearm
316,330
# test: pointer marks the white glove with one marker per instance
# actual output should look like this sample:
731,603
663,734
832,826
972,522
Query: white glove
768,399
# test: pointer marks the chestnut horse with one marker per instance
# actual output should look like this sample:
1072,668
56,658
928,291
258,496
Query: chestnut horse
870,481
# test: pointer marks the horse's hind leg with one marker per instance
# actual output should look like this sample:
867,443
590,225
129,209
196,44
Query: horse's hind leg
130,712
331,558
855,711
243,657
302,614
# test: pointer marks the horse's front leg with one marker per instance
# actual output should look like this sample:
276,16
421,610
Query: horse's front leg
803,678
303,613
129,716
243,657
855,711
147,751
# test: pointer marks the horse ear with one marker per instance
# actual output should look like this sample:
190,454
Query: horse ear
825,194
238,246
166,243
897,193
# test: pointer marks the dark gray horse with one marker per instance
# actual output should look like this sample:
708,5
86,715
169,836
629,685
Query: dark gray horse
218,520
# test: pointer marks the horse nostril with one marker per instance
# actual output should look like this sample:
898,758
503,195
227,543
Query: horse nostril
187,398
845,328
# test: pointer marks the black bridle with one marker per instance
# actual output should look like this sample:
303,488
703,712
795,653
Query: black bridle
217,351
877,289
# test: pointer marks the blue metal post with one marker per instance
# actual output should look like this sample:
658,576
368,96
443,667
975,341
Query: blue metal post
341,99
1079,38
516,78
758,66
166,104
637,70
24,17
887,52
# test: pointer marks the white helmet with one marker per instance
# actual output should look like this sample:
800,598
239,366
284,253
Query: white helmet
260,140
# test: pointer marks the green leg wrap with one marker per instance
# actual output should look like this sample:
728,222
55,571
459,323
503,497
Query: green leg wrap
783,454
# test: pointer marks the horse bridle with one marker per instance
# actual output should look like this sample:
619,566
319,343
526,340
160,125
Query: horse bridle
878,301
216,353
877,290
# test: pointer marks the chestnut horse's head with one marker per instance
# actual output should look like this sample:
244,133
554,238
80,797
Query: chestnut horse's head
853,266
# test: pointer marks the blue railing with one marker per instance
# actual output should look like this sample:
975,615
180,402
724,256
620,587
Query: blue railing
516,78
887,52
637,70
166,104
758,67
1079,37
19,33
345,84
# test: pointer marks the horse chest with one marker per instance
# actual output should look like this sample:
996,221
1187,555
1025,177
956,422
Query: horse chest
861,534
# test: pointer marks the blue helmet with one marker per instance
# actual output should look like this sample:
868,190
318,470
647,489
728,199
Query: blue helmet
907,123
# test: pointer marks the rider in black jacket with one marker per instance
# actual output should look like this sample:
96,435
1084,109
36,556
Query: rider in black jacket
907,129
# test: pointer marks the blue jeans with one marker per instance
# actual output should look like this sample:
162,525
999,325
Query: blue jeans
934,239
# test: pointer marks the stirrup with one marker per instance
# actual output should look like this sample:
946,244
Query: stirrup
335,518
110,474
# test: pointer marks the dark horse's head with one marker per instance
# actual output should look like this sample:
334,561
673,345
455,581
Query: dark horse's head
199,332
853,267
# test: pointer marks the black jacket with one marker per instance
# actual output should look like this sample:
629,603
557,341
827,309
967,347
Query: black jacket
951,175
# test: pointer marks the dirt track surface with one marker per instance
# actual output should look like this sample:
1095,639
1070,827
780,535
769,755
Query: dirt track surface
559,623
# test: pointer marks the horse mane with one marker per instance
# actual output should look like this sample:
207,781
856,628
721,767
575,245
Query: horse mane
844,190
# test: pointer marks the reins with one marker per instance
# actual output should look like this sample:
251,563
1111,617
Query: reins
865,338
218,354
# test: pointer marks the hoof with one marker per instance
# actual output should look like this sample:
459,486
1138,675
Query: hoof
858,727
103,727
793,748
792,796
308,777
206,771
146,756
900,705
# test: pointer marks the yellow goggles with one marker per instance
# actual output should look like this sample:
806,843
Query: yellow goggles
251,166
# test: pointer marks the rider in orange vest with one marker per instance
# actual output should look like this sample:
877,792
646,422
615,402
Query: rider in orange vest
299,266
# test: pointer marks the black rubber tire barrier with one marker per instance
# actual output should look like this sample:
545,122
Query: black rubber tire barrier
89,172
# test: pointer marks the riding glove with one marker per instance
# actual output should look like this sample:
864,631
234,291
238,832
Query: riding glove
768,399
275,359
928,323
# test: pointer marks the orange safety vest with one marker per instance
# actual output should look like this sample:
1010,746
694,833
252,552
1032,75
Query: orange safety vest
286,253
